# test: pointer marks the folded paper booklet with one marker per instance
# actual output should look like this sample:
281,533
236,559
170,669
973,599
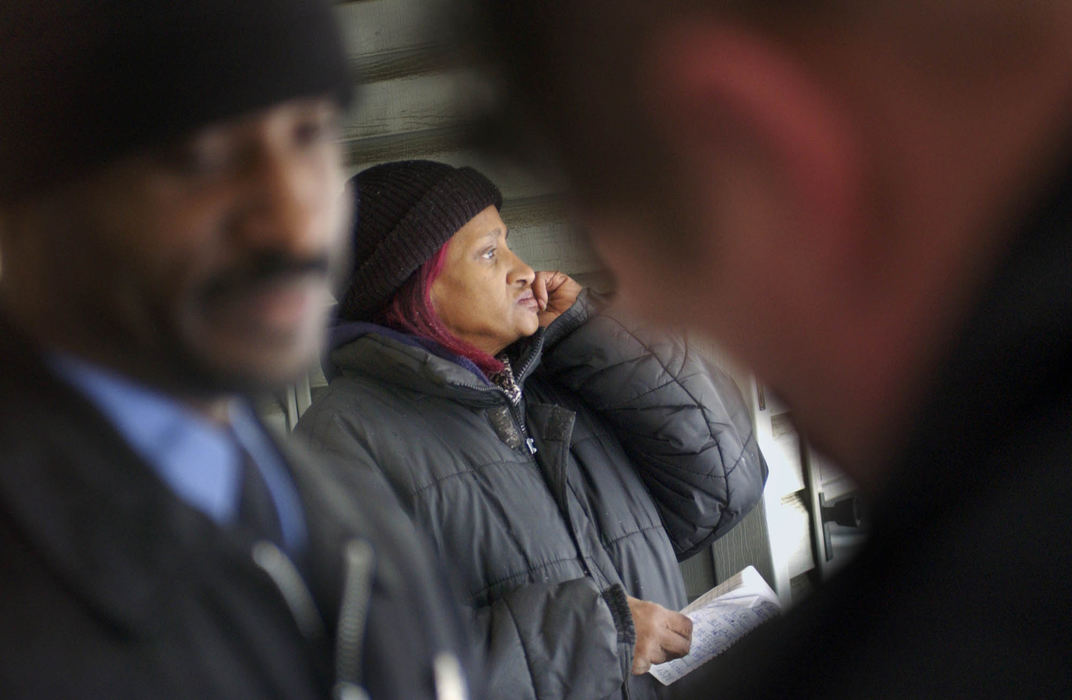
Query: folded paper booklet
720,617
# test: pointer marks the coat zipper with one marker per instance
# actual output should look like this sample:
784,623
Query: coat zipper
519,376
515,409
526,439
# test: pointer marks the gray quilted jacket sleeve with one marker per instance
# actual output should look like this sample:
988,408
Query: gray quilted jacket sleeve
681,419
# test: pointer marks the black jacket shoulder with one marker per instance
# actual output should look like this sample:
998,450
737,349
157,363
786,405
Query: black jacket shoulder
114,587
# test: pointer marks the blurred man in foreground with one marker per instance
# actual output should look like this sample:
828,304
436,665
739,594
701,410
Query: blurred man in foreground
871,204
170,212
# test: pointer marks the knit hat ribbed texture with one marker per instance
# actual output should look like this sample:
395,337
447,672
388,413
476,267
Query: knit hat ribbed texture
85,81
406,211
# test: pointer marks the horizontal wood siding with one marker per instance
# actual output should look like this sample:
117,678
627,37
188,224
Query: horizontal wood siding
414,93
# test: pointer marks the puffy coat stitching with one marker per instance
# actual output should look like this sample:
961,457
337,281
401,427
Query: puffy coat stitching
729,492
596,431
669,493
626,404
674,375
696,403
523,573
611,542
500,512
591,516
317,429
604,437
594,561
749,440
437,481
629,403
705,474
521,643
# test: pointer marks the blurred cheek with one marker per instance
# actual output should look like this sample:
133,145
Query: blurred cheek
651,284
331,223
331,200
340,218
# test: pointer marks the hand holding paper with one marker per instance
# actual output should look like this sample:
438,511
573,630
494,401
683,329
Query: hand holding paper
719,618
661,634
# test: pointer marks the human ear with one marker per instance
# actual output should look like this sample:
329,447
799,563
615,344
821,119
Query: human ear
765,149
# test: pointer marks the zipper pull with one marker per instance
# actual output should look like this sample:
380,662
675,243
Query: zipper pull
291,585
349,691
358,565
449,680
531,444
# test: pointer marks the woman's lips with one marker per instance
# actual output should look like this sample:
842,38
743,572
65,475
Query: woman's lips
529,301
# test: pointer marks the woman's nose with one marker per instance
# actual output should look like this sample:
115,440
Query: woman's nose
520,272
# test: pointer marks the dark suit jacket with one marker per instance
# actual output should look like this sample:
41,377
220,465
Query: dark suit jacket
113,587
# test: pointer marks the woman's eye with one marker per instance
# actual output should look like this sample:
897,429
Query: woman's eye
488,254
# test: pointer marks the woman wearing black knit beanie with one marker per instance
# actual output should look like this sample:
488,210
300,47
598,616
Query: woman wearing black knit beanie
561,461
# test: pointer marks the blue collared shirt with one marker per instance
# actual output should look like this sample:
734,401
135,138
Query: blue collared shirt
199,460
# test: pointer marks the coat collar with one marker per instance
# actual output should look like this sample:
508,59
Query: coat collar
85,502
393,358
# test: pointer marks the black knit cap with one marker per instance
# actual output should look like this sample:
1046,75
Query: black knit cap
85,81
406,211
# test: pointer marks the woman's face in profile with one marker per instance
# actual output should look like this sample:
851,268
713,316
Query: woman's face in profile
484,293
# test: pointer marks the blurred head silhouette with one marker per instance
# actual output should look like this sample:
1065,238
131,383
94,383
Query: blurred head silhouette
821,186
170,185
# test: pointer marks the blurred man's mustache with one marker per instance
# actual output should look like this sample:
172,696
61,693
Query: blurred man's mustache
264,269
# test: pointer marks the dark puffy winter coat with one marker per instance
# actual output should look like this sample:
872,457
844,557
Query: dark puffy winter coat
113,587
626,454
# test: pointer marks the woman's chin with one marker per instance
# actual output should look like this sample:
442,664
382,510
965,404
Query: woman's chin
530,327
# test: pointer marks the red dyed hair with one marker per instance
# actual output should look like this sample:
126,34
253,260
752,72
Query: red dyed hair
410,311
